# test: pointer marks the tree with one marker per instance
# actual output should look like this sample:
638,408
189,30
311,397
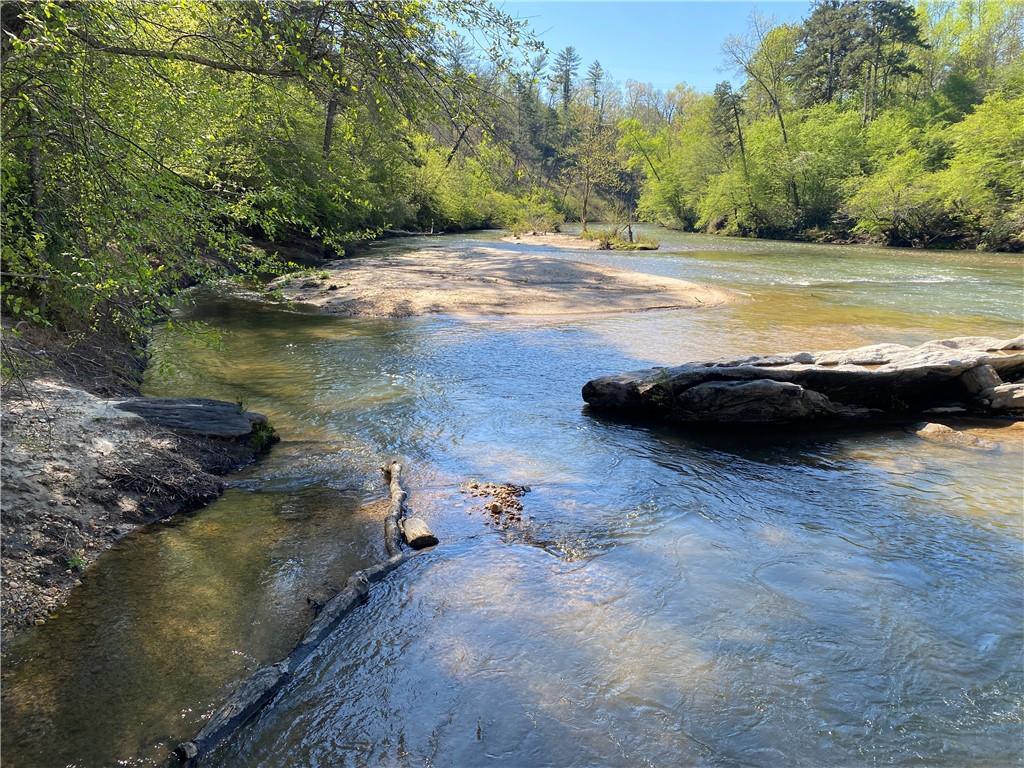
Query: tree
825,59
140,139
766,55
592,164
595,82
567,64
887,31
726,120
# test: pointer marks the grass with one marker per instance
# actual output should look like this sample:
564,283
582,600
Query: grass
76,562
263,436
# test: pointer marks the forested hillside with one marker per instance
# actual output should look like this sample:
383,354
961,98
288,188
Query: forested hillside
144,142
870,119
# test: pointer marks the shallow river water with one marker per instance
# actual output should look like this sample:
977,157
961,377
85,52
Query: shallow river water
828,599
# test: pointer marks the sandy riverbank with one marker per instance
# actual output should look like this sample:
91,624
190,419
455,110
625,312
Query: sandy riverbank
488,281
554,240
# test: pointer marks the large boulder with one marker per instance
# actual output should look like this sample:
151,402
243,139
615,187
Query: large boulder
884,381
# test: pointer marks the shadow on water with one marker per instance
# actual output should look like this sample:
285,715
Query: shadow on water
771,605
803,599
174,614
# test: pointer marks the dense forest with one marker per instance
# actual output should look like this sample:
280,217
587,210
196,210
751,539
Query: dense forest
146,143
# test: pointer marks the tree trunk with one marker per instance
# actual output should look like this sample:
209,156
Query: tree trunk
785,141
451,155
35,171
332,114
417,533
743,149
396,508
586,199
782,122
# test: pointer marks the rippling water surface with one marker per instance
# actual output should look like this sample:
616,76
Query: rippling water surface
847,598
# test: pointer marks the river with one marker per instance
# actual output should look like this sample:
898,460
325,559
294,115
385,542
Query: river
837,598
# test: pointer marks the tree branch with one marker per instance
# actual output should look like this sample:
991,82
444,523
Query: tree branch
148,53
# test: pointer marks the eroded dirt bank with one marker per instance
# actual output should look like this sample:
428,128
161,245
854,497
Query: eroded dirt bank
488,281
79,473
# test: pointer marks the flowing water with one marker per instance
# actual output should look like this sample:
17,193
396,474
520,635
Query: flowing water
837,598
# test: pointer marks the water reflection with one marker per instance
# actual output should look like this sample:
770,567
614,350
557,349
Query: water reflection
172,616
675,598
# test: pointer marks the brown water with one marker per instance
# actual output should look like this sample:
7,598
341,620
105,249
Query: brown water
849,598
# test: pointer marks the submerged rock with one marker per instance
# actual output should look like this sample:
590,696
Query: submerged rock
881,381
940,433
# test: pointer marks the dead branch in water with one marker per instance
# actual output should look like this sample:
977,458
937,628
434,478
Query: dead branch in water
396,510
256,692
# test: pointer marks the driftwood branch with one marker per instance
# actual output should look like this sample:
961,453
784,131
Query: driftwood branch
262,686
396,510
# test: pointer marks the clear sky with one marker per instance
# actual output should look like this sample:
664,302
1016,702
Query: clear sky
662,43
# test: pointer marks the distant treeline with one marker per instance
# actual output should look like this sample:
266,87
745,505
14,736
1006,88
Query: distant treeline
871,120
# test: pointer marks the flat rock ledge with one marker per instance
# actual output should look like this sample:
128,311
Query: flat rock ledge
196,415
975,375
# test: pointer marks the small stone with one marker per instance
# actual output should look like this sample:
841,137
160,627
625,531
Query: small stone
187,750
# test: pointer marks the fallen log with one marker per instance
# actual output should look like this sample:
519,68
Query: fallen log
416,533
256,692
248,699
396,509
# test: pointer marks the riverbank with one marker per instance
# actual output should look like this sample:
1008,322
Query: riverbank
80,472
486,280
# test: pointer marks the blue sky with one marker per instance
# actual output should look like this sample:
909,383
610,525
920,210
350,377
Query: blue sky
662,43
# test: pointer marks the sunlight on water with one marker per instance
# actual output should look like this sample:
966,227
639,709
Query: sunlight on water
845,598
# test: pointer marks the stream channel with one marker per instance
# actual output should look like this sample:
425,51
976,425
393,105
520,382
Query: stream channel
800,599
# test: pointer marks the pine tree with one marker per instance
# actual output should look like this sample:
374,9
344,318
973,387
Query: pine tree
887,31
595,80
825,61
567,64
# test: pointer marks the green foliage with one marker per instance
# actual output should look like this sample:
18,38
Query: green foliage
612,240
76,560
971,188
870,120
143,141
262,437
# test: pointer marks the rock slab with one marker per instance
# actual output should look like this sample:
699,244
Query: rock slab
197,415
977,374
